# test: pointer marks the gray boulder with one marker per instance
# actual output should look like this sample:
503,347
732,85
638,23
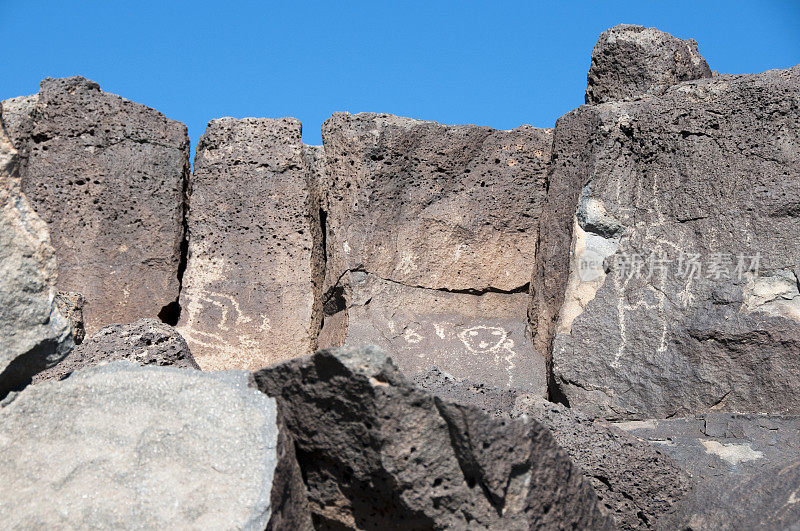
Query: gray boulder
378,453
665,283
637,483
430,230
252,288
629,62
107,176
122,446
746,469
145,342
33,334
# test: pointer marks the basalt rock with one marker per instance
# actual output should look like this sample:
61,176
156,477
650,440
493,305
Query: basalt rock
376,452
146,342
430,231
107,176
629,62
746,469
637,483
33,334
666,283
122,446
250,292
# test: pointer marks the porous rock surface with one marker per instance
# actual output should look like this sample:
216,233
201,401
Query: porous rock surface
637,483
746,469
629,62
249,295
107,176
33,334
146,342
122,446
685,204
430,230
376,452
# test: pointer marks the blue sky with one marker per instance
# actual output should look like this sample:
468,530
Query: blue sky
497,63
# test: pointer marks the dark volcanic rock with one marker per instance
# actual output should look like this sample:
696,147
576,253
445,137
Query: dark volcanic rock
674,217
33,334
629,62
107,175
378,453
122,446
251,291
146,342
70,305
746,469
637,483
430,230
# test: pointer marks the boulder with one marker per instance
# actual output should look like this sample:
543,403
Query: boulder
665,283
70,304
429,233
122,446
376,452
146,342
629,62
746,469
251,291
33,334
637,483
108,176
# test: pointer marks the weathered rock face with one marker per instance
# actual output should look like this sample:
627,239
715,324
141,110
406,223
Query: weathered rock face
33,334
146,342
636,483
123,446
629,62
746,469
682,291
377,452
107,175
249,293
434,225
70,305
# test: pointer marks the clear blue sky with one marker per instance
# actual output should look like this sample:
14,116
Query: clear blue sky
497,63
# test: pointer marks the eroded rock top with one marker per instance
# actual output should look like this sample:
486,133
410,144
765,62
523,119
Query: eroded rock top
631,61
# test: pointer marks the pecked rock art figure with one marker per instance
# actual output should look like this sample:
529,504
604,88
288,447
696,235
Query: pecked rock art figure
249,295
686,204
430,231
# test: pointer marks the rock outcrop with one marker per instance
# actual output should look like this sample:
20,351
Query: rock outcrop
249,295
430,230
107,175
378,453
146,342
629,62
673,216
746,469
122,446
33,334
637,483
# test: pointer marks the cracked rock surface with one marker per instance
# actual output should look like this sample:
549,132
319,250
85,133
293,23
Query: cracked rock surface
122,446
376,452
249,294
430,233
107,176
704,174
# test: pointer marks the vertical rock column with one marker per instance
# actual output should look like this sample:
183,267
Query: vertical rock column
249,293
107,175
431,231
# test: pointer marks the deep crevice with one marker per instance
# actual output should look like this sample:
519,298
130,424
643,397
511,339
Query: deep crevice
171,313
